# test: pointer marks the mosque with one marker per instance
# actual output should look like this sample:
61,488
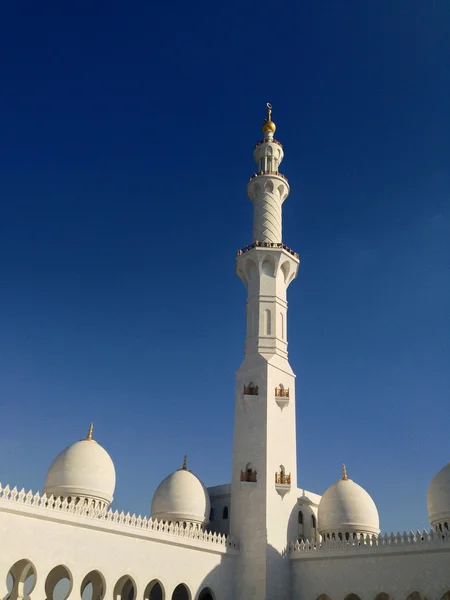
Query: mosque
260,536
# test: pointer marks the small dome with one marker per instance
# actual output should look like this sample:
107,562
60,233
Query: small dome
347,508
181,497
82,470
438,497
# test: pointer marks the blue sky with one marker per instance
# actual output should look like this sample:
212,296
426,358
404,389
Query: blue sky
126,144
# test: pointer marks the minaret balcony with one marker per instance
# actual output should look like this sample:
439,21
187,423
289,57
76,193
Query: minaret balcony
282,396
282,483
267,245
248,476
267,172
266,140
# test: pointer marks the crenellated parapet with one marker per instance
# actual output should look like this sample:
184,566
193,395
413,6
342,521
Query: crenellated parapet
372,543
57,508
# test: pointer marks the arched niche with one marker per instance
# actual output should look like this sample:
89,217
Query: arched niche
352,597
93,586
268,186
416,596
58,583
181,592
125,589
154,591
21,579
206,594
268,267
250,269
382,596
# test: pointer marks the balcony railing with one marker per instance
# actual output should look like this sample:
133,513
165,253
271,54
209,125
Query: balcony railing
251,390
281,393
282,479
269,173
248,476
267,245
265,140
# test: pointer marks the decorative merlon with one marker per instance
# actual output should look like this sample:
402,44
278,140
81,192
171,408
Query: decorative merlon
363,543
87,508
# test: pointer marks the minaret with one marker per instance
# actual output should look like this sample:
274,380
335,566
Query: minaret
264,479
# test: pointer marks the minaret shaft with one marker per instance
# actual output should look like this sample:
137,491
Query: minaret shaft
264,479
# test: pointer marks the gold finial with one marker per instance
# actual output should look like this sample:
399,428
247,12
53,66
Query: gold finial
184,467
268,125
344,473
89,435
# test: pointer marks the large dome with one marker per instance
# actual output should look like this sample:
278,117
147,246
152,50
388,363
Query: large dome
346,508
181,497
82,470
438,498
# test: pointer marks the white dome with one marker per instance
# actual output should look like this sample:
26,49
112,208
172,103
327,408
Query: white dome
438,497
181,497
82,470
347,508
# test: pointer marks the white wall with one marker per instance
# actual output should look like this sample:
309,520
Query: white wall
83,544
367,572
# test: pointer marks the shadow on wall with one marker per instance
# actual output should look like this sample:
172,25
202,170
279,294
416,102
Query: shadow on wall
302,524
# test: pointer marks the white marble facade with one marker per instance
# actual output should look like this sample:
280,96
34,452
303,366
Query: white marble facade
259,537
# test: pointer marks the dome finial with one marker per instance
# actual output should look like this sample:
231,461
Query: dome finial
344,473
184,467
90,432
268,125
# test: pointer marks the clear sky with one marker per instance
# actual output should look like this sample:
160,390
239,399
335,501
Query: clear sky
127,131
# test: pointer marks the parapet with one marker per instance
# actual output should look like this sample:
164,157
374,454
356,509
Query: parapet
402,542
13,500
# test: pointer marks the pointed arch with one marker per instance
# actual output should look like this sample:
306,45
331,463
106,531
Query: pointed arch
416,596
21,579
154,591
59,583
181,592
93,586
268,186
382,596
268,267
125,588
206,594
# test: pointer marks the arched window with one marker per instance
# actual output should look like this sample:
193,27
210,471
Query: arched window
313,521
206,594
93,586
225,512
211,514
153,591
300,517
181,593
58,583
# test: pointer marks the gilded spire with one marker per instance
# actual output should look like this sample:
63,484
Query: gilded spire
90,431
184,467
344,473
269,125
